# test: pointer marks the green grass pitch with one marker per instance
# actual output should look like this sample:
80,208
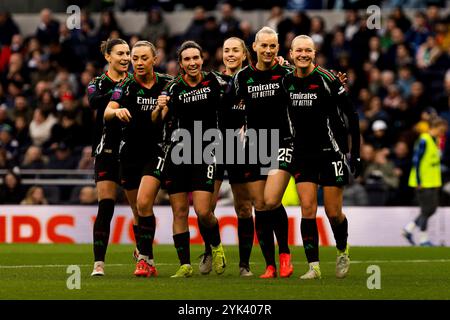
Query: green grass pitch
39,272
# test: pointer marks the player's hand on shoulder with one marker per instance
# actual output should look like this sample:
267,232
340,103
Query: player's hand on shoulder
342,76
282,61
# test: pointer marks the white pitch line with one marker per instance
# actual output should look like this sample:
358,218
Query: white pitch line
176,264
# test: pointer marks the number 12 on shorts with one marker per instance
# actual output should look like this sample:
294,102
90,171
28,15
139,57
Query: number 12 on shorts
338,168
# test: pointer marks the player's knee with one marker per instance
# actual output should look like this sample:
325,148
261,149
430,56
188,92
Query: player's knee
203,213
259,205
333,213
144,207
244,210
271,203
180,212
309,209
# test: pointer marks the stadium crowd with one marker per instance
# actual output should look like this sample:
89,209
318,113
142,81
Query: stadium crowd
398,78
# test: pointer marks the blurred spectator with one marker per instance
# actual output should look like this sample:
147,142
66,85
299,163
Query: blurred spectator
318,33
432,16
339,47
211,36
398,38
17,44
66,131
380,137
44,71
87,161
35,196
22,133
195,29
441,30
155,27
428,53
48,28
5,163
401,20
380,179
11,190
375,111
351,24
275,17
87,196
443,98
34,159
8,28
394,99
108,26
401,158
403,56
62,158
417,102
405,80
228,24
172,68
367,157
419,32
9,143
298,23
4,118
21,108
354,194
375,54
41,126
247,33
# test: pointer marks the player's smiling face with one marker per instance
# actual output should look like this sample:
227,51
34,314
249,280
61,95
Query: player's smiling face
233,54
119,58
266,48
191,62
143,60
302,52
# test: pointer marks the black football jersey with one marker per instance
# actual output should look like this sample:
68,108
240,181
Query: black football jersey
263,97
321,113
106,135
140,135
200,104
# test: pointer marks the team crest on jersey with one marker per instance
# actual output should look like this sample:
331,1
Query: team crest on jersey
91,89
313,86
205,83
275,77
116,94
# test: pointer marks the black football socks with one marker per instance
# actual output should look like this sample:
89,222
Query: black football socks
340,232
310,237
181,242
281,228
246,231
264,232
146,232
102,228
